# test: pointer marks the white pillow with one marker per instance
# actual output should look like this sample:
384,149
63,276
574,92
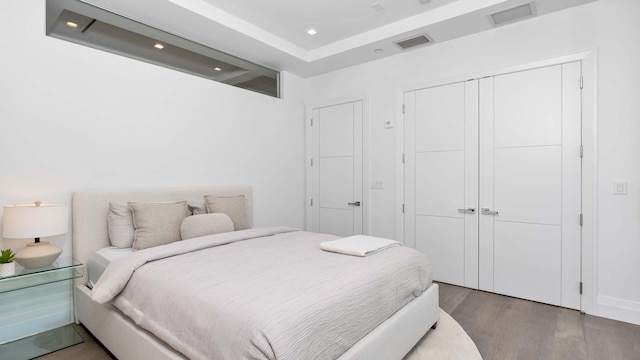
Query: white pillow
205,224
120,225
198,207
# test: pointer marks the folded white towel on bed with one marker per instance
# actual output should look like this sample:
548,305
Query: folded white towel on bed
358,245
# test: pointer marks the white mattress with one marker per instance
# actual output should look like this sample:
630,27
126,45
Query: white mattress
99,260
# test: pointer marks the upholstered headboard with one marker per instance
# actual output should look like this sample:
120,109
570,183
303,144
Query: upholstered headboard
90,209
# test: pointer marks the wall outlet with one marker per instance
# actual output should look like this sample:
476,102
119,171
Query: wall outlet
377,184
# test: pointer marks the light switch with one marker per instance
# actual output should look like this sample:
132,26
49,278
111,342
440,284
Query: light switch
620,188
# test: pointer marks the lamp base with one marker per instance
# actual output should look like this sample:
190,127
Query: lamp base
37,255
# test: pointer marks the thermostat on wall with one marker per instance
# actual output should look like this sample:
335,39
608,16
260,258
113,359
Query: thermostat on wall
388,124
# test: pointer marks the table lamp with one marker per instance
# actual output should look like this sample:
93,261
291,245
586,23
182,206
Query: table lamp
35,220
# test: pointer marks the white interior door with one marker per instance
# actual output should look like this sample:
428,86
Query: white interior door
441,183
507,146
337,169
530,184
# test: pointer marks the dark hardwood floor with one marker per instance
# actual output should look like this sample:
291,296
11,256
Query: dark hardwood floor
508,328
502,327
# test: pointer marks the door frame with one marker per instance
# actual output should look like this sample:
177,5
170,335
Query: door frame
308,155
588,61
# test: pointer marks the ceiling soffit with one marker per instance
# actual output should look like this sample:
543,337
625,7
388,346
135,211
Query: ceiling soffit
202,22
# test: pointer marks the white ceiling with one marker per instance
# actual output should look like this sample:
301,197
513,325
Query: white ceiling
333,19
273,33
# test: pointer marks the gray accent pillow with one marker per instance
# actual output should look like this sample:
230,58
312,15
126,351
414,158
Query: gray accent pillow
205,224
120,222
120,225
157,223
235,207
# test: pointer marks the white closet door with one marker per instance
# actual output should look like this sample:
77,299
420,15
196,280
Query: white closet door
337,138
441,184
530,184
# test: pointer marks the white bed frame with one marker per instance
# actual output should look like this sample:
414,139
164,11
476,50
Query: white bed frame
392,339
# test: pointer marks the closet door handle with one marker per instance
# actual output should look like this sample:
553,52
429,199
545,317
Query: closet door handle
487,211
357,203
467,211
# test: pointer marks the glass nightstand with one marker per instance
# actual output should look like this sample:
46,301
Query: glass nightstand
64,268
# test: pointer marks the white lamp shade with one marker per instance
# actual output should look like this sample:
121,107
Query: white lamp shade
22,221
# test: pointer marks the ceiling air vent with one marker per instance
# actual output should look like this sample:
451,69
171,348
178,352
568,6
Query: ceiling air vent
414,41
514,14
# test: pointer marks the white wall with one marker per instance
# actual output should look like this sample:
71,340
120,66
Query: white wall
72,118
610,26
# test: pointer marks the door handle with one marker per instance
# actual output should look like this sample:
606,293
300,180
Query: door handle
487,211
357,203
467,211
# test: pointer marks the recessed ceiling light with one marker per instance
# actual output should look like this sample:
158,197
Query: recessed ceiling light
312,31
72,24
158,46
424,1
217,69
378,51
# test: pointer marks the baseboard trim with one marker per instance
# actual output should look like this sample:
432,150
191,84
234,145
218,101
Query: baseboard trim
619,309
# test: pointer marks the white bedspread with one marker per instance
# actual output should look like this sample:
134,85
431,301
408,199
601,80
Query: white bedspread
267,293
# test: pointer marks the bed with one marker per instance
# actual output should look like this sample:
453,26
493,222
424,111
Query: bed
392,338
